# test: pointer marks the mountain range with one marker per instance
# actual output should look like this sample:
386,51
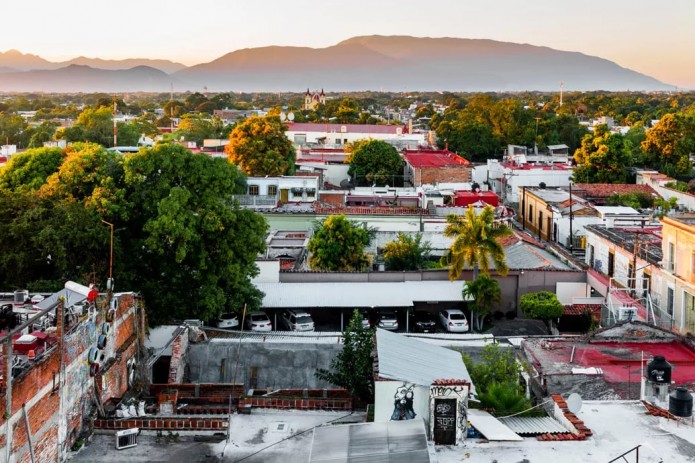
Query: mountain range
388,63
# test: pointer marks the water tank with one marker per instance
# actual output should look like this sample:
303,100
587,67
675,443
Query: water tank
659,370
680,402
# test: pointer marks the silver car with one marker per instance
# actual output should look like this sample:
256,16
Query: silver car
258,321
388,320
297,321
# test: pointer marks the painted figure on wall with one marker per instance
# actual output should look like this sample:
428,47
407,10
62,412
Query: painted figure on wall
403,404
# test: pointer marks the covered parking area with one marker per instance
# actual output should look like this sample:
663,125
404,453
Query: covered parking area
332,303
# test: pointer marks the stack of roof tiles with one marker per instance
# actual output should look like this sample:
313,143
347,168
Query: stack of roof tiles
583,431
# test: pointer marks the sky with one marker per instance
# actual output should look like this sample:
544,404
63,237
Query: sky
655,38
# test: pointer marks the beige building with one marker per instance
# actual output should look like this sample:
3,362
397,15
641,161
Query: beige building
678,285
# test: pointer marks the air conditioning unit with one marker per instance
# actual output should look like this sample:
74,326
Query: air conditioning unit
627,314
127,438
343,129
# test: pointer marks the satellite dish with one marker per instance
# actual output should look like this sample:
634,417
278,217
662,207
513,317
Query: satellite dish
283,116
290,116
574,403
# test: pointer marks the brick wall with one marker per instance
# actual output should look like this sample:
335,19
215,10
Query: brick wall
334,199
201,393
179,356
170,423
432,175
55,423
301,399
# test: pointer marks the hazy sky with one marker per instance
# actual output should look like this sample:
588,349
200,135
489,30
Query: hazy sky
656,38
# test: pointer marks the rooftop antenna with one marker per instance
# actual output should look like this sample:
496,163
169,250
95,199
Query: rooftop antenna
562,84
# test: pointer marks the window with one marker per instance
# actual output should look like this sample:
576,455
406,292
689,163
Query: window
671,258
630,275
646,283
530,213
611,263
540,221
689,305
669,301
310,192
272,190
253,190
692,265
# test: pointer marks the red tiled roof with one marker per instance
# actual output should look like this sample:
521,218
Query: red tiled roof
580,309
583,431
434,158
349,128
604,190
657,411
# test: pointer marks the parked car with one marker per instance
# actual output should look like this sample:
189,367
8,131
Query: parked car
388,320
227,321
36,298
258,321
454,320
366,319
295,320
423,322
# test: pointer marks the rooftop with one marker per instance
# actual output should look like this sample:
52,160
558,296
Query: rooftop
434,158
346,128
684,218
406,359
648,240
605,190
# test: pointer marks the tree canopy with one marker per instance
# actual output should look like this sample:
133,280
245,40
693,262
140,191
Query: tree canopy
542,305
476,242
374,162
602,158
669,144
259,147
30,169
179,236
353,367
407,252
337,245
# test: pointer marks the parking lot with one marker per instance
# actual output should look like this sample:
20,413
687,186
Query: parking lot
335,320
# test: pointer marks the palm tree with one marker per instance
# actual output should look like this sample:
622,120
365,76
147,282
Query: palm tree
476,242
484,291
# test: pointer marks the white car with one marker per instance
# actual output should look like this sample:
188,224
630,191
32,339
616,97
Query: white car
37,298
388,320
297,321
258,321
227,321
454,320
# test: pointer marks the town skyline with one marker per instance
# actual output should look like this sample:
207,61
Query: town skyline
632,34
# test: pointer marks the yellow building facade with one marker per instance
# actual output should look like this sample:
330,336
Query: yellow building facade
678,282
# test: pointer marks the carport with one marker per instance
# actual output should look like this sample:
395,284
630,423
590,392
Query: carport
356,295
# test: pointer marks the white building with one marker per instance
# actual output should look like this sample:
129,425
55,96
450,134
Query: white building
415,380
271,192
506,178
338,135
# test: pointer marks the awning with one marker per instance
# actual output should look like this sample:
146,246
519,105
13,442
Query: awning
490,427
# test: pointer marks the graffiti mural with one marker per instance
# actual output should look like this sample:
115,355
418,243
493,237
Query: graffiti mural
403,404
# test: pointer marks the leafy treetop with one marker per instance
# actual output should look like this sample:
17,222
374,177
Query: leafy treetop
543,305
259,147
338,245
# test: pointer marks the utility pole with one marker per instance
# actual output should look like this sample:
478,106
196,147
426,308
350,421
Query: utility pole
115,127
562,84
109,283
571,232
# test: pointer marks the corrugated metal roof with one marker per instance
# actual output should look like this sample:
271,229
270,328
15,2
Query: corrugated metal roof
490,427
401,441
362,294
531,426
406,359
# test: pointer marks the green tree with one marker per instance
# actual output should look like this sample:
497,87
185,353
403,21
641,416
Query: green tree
259,147
407,252
348,111
542,305
374,161
195,247
485,291
12,129
195,127
353,367
30,169
497,365
337,245
42,133
476,242
602,158
504,399
93,125
669,144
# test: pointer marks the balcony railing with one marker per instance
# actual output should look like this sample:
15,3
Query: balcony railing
257,200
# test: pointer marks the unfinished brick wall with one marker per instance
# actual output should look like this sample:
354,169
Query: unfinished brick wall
179,356
201,393
432,175
170,423
301,399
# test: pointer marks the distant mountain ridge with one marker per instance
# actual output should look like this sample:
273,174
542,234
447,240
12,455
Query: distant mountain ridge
388,63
